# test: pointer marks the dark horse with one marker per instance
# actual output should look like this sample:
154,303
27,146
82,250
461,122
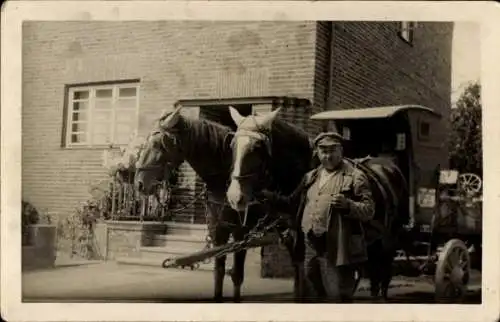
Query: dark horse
269,151
205,145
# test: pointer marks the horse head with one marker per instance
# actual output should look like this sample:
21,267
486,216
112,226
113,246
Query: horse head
160,154
252,153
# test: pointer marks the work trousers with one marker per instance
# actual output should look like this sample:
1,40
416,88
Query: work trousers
324,281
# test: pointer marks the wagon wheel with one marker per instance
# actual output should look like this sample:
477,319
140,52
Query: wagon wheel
452,272
469,182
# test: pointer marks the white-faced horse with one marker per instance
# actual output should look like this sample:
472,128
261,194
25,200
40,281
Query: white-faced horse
269,151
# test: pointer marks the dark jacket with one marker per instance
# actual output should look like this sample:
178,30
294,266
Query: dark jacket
355,187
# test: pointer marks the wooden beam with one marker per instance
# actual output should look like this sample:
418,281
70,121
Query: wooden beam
275,101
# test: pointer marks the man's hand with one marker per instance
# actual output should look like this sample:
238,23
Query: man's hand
339,201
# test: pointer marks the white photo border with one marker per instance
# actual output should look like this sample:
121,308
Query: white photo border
15,12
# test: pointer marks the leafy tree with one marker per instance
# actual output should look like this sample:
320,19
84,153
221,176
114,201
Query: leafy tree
465,141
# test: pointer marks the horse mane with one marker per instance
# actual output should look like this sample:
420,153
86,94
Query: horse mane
292,155
206,147
210,137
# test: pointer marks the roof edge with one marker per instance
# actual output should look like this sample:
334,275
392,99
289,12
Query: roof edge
391,111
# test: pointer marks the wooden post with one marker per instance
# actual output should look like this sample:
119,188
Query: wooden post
143,207
113,201
120,198
165,199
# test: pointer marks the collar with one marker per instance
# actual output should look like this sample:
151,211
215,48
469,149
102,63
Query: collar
341,167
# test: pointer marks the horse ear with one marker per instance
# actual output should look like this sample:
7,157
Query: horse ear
235,115
272,115
172,119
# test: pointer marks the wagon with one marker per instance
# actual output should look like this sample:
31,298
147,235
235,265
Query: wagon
443,238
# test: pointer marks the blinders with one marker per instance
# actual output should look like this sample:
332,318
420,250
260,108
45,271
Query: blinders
163,146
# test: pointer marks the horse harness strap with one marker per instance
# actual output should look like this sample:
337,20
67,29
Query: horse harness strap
258,136
373,177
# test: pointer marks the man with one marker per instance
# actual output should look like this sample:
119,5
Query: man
331,202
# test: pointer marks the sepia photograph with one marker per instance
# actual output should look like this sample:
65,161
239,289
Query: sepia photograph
250,161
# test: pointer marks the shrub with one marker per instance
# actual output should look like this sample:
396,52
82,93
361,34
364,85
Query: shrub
465,139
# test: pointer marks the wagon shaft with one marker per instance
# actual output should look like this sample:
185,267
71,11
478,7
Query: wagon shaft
218,251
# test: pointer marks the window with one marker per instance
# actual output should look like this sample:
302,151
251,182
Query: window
424,130
102,115
346,133
400,141
406,30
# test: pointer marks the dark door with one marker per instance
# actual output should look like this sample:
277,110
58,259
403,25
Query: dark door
221,114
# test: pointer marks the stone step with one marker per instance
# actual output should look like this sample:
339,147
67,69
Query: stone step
197,241
174,228
170,250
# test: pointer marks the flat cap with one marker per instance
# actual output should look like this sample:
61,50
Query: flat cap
328,139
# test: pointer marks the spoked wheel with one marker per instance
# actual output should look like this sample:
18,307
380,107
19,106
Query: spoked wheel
452,272
469,182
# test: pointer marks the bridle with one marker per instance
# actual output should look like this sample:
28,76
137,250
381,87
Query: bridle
264,137
169,163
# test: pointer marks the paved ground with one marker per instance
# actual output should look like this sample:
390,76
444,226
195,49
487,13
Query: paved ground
109,281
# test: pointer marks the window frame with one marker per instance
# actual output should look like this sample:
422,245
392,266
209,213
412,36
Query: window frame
92,89
407,27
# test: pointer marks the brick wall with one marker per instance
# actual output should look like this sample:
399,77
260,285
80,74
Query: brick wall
173,60
373,66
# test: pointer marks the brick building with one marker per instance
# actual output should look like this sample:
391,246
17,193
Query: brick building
144,67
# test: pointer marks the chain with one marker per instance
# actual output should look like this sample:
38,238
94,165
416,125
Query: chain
256,233
252,235
208,238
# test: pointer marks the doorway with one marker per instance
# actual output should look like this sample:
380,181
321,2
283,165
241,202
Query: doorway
221,114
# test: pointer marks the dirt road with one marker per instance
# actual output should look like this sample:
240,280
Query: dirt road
105,282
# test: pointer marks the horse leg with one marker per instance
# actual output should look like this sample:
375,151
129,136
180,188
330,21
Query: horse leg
298,293
386,280
221,238
373,269
238,274
387,273
238,271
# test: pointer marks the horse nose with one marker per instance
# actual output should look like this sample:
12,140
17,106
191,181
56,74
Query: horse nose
235,197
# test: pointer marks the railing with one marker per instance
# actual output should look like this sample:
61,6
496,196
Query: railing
123,202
